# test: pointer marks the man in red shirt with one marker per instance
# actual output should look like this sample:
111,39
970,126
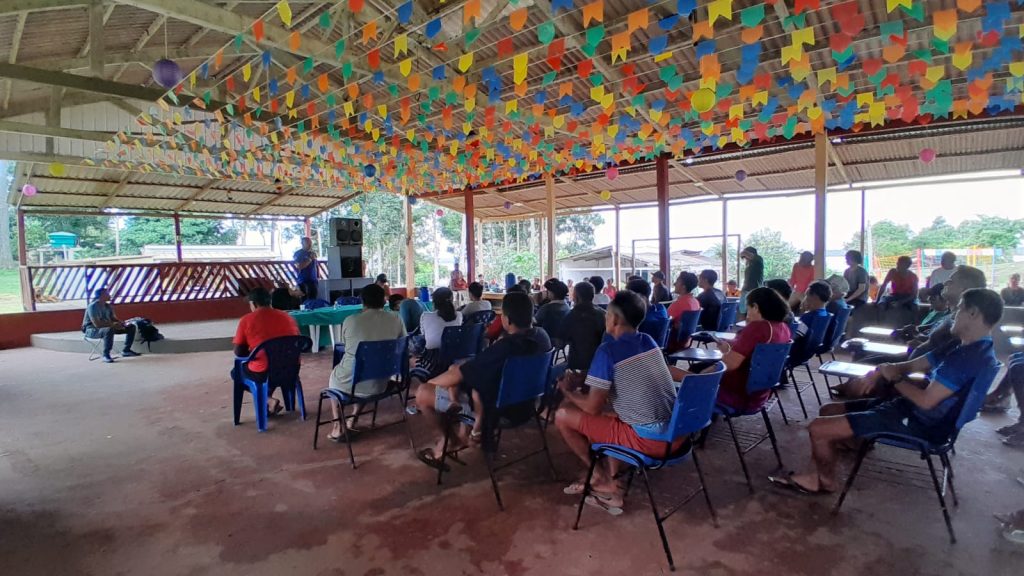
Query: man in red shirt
686,282
256,327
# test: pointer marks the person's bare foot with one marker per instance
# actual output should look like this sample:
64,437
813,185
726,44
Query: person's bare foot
812,482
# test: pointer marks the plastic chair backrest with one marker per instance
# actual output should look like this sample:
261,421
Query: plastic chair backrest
484,317
314,303
766,366
695,402
348,301
602,307
687,325
460,342
379,360
524,378
282,356
975,396
727,316
816,335
838,328
657,330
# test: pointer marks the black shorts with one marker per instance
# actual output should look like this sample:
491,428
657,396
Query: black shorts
894,416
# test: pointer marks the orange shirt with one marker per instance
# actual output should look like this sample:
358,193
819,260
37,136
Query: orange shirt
261,325
801,278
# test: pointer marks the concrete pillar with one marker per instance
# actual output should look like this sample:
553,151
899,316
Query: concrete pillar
820,190
664,255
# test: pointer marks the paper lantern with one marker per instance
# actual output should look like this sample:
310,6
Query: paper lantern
702,100
356,208
508,205
612,173
439,212
370,170
741,175
606,195
412,200
927,155
29,190
166,73
57,170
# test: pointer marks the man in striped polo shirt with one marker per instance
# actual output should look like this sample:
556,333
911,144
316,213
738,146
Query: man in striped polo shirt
629,373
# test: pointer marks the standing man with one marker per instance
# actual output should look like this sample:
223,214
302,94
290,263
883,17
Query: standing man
101,323
753,275
305,265
856,278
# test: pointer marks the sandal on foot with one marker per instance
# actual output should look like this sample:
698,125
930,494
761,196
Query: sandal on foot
786,482
608,503
575,489
427,457
1011,429
1016,440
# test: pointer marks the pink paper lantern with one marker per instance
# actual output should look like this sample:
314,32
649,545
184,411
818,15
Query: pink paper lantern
612,173
439,212
927,155
29,190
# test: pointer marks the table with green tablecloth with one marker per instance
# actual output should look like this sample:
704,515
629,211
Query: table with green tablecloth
331,317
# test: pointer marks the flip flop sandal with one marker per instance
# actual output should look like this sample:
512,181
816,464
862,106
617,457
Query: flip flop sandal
1016,441
574,489
278,408
606,503
427,457
340,439
787,483
1011,429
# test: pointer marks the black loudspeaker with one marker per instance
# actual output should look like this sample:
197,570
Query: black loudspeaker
345,261
351,267
346,232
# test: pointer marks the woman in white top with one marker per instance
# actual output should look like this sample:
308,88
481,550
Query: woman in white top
432,325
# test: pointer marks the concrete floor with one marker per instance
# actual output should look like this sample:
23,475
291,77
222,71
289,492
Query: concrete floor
135,468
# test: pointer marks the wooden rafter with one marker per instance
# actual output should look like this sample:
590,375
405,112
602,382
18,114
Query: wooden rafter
84,51
19,30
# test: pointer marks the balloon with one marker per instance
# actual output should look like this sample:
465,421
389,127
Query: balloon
439,212
29,190
57,170
605,195
356,208
702,100
412,200
370,170
166,73
741,175
612,173
508,205
927,155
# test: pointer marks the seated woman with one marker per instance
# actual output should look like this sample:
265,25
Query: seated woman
766,314
432,325
903,283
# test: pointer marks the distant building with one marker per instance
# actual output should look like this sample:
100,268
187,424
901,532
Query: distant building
599,262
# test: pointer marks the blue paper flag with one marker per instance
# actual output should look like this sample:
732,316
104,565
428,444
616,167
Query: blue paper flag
439,72
668,22
657,44
272,86
405,12
433,27
684,7
705,48
266,58
304,91
557,5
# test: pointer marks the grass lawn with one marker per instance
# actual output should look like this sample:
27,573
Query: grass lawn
10,292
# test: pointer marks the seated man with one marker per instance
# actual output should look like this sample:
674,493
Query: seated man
732,289
839,289
283,298
382,281
476,301
817,296
998,400
100,323
939,311
372,324
479,377
782,288
902,284
629,372
582,331
261,324
601,297
656,312
552,313
929,413
684,286
395,302
1013,295
710,300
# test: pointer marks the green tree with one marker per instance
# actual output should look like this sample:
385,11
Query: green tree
887,239
778,254
991,231
95,235
576,232
140,231
940,234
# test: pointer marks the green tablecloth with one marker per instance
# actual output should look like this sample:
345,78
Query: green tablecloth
329,316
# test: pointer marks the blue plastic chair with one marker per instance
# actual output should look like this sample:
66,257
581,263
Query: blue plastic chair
315,303
657,330
726,318
833,338
283,364
377,360
460,343
523,379
687,325
348,301
801,356
694,404
766,367
968,407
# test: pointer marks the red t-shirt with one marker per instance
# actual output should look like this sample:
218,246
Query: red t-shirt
903,285
801,277
685,303
733,389
261,325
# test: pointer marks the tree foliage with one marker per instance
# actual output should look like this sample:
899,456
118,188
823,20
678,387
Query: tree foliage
576,232
140,231
889,239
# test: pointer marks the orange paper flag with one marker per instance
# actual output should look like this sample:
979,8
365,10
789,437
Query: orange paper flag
257,30
638,20
471,11
294,40
593,11
370,31
517,19
322,83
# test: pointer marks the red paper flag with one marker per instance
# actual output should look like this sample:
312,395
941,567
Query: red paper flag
257,30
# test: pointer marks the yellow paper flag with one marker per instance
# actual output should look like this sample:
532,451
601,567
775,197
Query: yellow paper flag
465,61
520,63
401,45
405,67
285,12
719,9
246,72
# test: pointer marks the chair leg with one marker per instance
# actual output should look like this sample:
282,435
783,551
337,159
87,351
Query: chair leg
405,420
544,443
739,452
345,433
814,385
373,420
237,403
771,436
444,447
489,460
316,429
864,447
301,399
942,501
947,468
657,519
629,482
799,396
261,407
704,489
586,488
782,409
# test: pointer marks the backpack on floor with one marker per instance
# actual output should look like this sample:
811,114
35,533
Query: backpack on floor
148,332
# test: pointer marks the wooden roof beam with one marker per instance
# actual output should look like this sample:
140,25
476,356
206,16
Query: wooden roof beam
19,30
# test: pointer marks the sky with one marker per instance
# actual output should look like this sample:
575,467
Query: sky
916,206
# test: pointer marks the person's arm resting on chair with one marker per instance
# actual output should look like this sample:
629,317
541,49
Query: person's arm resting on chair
592,402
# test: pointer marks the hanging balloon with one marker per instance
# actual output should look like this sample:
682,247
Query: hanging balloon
166,73
412,200
741,175
370,170
57,170
29,190
356,208
508,205
702,100
612,173
439,212
606,195
927,155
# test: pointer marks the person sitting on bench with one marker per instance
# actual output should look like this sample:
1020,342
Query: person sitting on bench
100,323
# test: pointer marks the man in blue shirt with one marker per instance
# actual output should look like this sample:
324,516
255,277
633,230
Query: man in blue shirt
305,265
928,412
101,323
656,318
815,299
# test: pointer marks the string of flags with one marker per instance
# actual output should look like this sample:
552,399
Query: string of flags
464,98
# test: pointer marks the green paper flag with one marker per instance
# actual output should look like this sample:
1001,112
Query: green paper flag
596,79
307,65
433,93
393,89
940,45
594,35
331,101
471,36
346,71
916,11
798,21
546,32
339,47
589,50
325,20
548,78
238,42
790,128
207,97
231,109
752,16
667,73
925,55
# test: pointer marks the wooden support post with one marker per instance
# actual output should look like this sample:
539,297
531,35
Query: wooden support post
725,244
549,182
820,190
53,117
28,296
863,219
307,228
540,249
616,257
97,49
177,236
410,254
664,255
470,237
